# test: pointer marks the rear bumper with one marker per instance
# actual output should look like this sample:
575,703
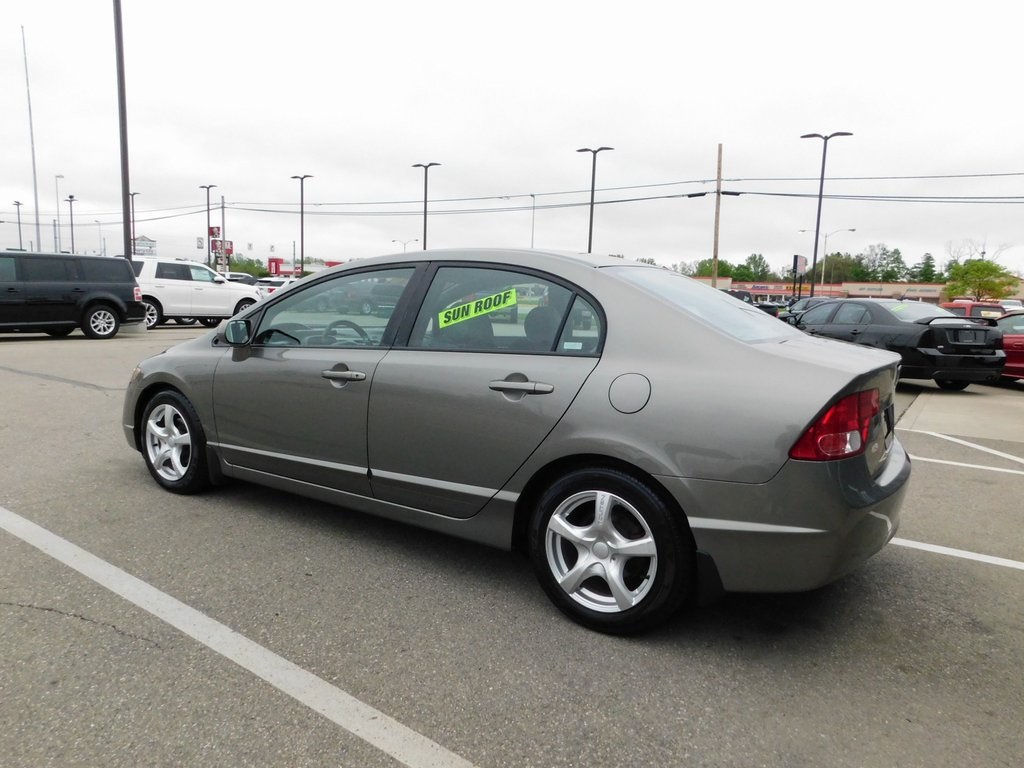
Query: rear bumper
932,364
811,524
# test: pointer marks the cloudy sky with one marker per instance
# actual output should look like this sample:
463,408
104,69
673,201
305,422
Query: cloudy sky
245,95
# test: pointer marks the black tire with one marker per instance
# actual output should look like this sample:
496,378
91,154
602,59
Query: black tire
59,333
185,320
154,312
101,321
366,308
652,584
209,322
174,444
243,305
952,386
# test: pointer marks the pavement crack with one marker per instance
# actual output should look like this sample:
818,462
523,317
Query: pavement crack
80,617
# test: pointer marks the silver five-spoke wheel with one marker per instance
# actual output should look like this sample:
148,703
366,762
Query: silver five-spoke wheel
611,551
601,551
173,443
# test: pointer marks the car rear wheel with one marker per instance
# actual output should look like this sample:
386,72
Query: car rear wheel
366,308
185,320
954,386
209,322
59,333
100,322
173,443
610,553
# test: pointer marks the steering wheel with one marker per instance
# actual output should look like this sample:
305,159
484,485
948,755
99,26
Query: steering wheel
347,324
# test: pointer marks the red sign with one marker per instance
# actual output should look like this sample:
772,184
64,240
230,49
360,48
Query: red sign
222,247
214,231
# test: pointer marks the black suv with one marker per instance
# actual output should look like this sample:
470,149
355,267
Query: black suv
56,293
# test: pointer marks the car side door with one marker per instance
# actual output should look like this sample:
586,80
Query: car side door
293,401
817,320
477,386
173,281
12,301
851,322
51,287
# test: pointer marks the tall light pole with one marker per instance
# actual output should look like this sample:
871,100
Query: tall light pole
209,245
71,212
593,181
824,252
56,231
533,216
426,170
99,231
406,242
17,205
821,192
302,221
132,196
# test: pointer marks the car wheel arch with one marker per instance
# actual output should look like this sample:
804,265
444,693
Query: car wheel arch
154,390
549,473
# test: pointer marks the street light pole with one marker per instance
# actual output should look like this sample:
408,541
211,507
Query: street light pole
132,196
71,213
406,242
593,181
209,245
302,221
821,191
17,205
99,232
426,169
56,231
533,217
824,253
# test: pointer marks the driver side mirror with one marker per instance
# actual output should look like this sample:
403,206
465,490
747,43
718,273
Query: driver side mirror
238,332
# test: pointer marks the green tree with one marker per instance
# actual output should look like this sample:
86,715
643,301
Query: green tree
979,279
254,267
705,267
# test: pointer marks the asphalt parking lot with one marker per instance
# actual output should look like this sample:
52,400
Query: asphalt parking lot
245,627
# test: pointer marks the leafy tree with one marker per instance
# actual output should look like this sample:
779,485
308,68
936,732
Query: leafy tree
647,260
705,268
979,279
254,267
925,271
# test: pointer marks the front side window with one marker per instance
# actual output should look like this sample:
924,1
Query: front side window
476,308
349,310
7,274
851,314
201,274
817,315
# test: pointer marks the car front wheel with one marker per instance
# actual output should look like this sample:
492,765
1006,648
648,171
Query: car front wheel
173,443
610,553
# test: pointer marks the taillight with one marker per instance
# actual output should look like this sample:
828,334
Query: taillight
841,432
137,292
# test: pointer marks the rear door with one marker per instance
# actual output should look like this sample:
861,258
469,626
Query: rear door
11,299
477,388
172,284
51,287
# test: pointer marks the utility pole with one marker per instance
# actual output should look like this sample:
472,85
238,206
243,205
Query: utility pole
718,211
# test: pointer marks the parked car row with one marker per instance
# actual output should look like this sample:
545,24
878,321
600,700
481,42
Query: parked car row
933,342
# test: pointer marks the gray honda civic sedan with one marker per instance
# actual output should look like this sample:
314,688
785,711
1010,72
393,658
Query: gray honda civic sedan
645,439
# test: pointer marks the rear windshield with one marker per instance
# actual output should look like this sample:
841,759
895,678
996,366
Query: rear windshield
915,310
716,308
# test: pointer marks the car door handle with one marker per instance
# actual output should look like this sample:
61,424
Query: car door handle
527,387
855,332
344,375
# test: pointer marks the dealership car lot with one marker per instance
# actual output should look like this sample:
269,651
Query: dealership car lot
914,659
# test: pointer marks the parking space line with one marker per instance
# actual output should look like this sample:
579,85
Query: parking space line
958,441
961,553
373,726
967,466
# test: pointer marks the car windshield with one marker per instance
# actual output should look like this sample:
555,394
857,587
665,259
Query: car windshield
716,308
911,311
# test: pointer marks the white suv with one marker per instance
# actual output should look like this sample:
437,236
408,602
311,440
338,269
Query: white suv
183,290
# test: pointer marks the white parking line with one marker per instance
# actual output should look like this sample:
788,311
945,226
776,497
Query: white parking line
960,553
967,466
378,729
958,441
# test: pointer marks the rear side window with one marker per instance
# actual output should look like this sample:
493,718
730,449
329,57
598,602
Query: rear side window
107,271
168,270
851,314
7,269
48,270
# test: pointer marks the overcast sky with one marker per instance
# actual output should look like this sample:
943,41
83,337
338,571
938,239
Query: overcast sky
245,95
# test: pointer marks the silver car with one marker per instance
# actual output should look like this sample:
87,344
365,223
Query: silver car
646,439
